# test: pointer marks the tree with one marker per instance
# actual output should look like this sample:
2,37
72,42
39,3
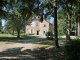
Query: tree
68,5
48,7
79,21
10,27
19,14
55,24
16,22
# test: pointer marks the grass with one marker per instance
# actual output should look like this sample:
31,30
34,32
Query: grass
47,51
51,42
8,37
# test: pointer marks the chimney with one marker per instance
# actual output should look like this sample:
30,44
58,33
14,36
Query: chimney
48,20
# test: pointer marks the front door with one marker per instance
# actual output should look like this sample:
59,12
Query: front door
37,32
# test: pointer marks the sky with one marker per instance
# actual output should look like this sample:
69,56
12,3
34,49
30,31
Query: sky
3,22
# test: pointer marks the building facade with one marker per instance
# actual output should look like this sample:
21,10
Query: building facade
38,28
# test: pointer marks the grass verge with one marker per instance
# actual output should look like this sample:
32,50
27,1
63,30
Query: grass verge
8,37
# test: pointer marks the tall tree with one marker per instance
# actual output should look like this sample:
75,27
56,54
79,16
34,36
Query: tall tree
79,21
19,14
67,6
55,24
62,19
48,7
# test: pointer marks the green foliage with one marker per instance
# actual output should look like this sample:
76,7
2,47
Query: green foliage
0,33
15,32
49,35
61,27
21,31
6,32
72,49
61,22
11,32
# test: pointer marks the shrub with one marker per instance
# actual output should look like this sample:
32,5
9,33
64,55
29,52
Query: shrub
15,32
0,32
49,35
72,50
11,32
21,31
6,32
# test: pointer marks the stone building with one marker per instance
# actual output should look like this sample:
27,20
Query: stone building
38,28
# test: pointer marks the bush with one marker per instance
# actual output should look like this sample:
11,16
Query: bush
0,32
72,50
21,31
15,32
6,32
49,35
11,32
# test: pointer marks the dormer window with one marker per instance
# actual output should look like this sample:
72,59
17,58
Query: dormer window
37,17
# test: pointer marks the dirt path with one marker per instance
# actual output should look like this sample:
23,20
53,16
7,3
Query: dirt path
19,50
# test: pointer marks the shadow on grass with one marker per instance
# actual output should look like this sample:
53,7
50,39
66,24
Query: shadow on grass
61,39
50,54
17,54
51,42
45,53
8,38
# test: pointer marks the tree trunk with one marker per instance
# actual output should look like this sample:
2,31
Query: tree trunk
68,28
18,36
75,27
55,25
78,26
0,24
75,32
79,21
67,32
13,32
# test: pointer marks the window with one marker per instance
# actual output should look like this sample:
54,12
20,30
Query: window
33,24
44,25
37,17
31,31
43,32
27,30
36,24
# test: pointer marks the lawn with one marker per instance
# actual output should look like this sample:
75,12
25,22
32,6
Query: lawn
46,50
8,37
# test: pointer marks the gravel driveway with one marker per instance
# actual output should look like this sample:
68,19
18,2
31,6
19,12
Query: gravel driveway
19,50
